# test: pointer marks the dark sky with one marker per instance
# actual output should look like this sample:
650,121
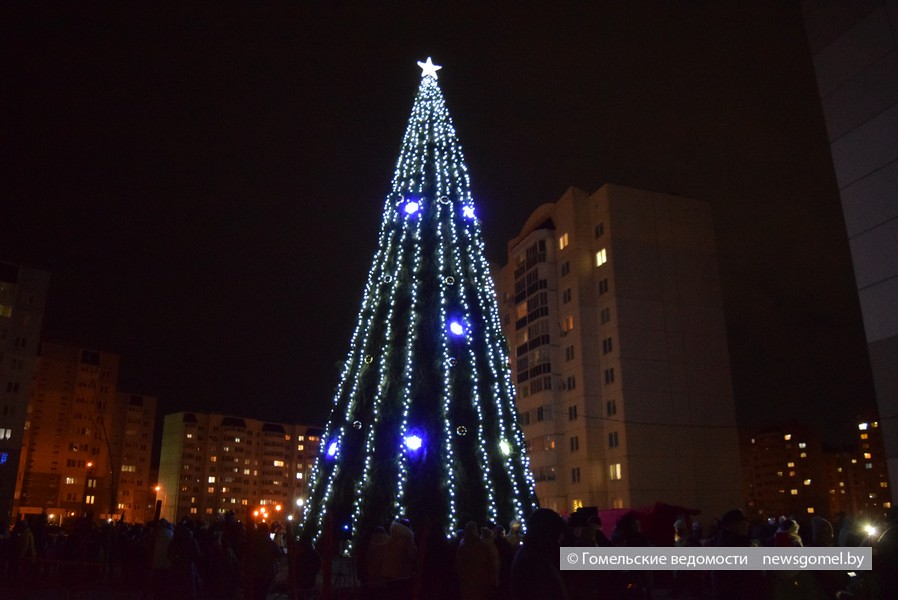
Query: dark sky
205,183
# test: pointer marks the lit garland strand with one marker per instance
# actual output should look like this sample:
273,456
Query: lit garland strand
503,389
355,362
446,400
351,360
363,481
408,369
475,398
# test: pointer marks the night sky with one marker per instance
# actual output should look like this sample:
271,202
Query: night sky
205,184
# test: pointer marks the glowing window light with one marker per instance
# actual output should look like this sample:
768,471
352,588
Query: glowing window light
862,426
332,449
468,212
413,442
456,328
411,207
505,447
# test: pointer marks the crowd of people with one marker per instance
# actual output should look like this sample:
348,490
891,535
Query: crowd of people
490,563
190,560
225,559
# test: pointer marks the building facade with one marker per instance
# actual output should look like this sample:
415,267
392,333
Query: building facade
789,471
785,472
81,442
23,294
132,439
855,54
611,305
212,464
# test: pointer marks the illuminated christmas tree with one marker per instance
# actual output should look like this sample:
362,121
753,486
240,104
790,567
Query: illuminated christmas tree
424,424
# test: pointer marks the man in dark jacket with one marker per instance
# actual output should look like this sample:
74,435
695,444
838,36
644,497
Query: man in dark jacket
535,572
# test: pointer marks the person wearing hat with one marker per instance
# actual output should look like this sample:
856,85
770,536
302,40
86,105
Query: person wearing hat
736,585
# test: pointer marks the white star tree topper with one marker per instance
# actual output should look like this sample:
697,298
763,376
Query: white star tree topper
428,68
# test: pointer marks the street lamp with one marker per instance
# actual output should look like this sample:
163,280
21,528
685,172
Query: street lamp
160,503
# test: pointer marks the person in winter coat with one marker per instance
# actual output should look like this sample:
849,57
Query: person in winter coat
535,572
474,566
400,553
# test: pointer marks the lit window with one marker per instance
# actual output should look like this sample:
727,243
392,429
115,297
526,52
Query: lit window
883,484
299,475
189,436
601,257
568,323
614,472
577,504
810,510
801,444
864,436
867,455
300,447
89,499
803,455
862,426
213,459
212,479
211,490
563,241
787,437
807,482
793,491
279,463
790,464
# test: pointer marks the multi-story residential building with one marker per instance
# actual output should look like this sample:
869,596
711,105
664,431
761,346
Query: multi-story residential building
785,472
789,471
82,439
858,477
212,464
611,304
132,443
23,293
